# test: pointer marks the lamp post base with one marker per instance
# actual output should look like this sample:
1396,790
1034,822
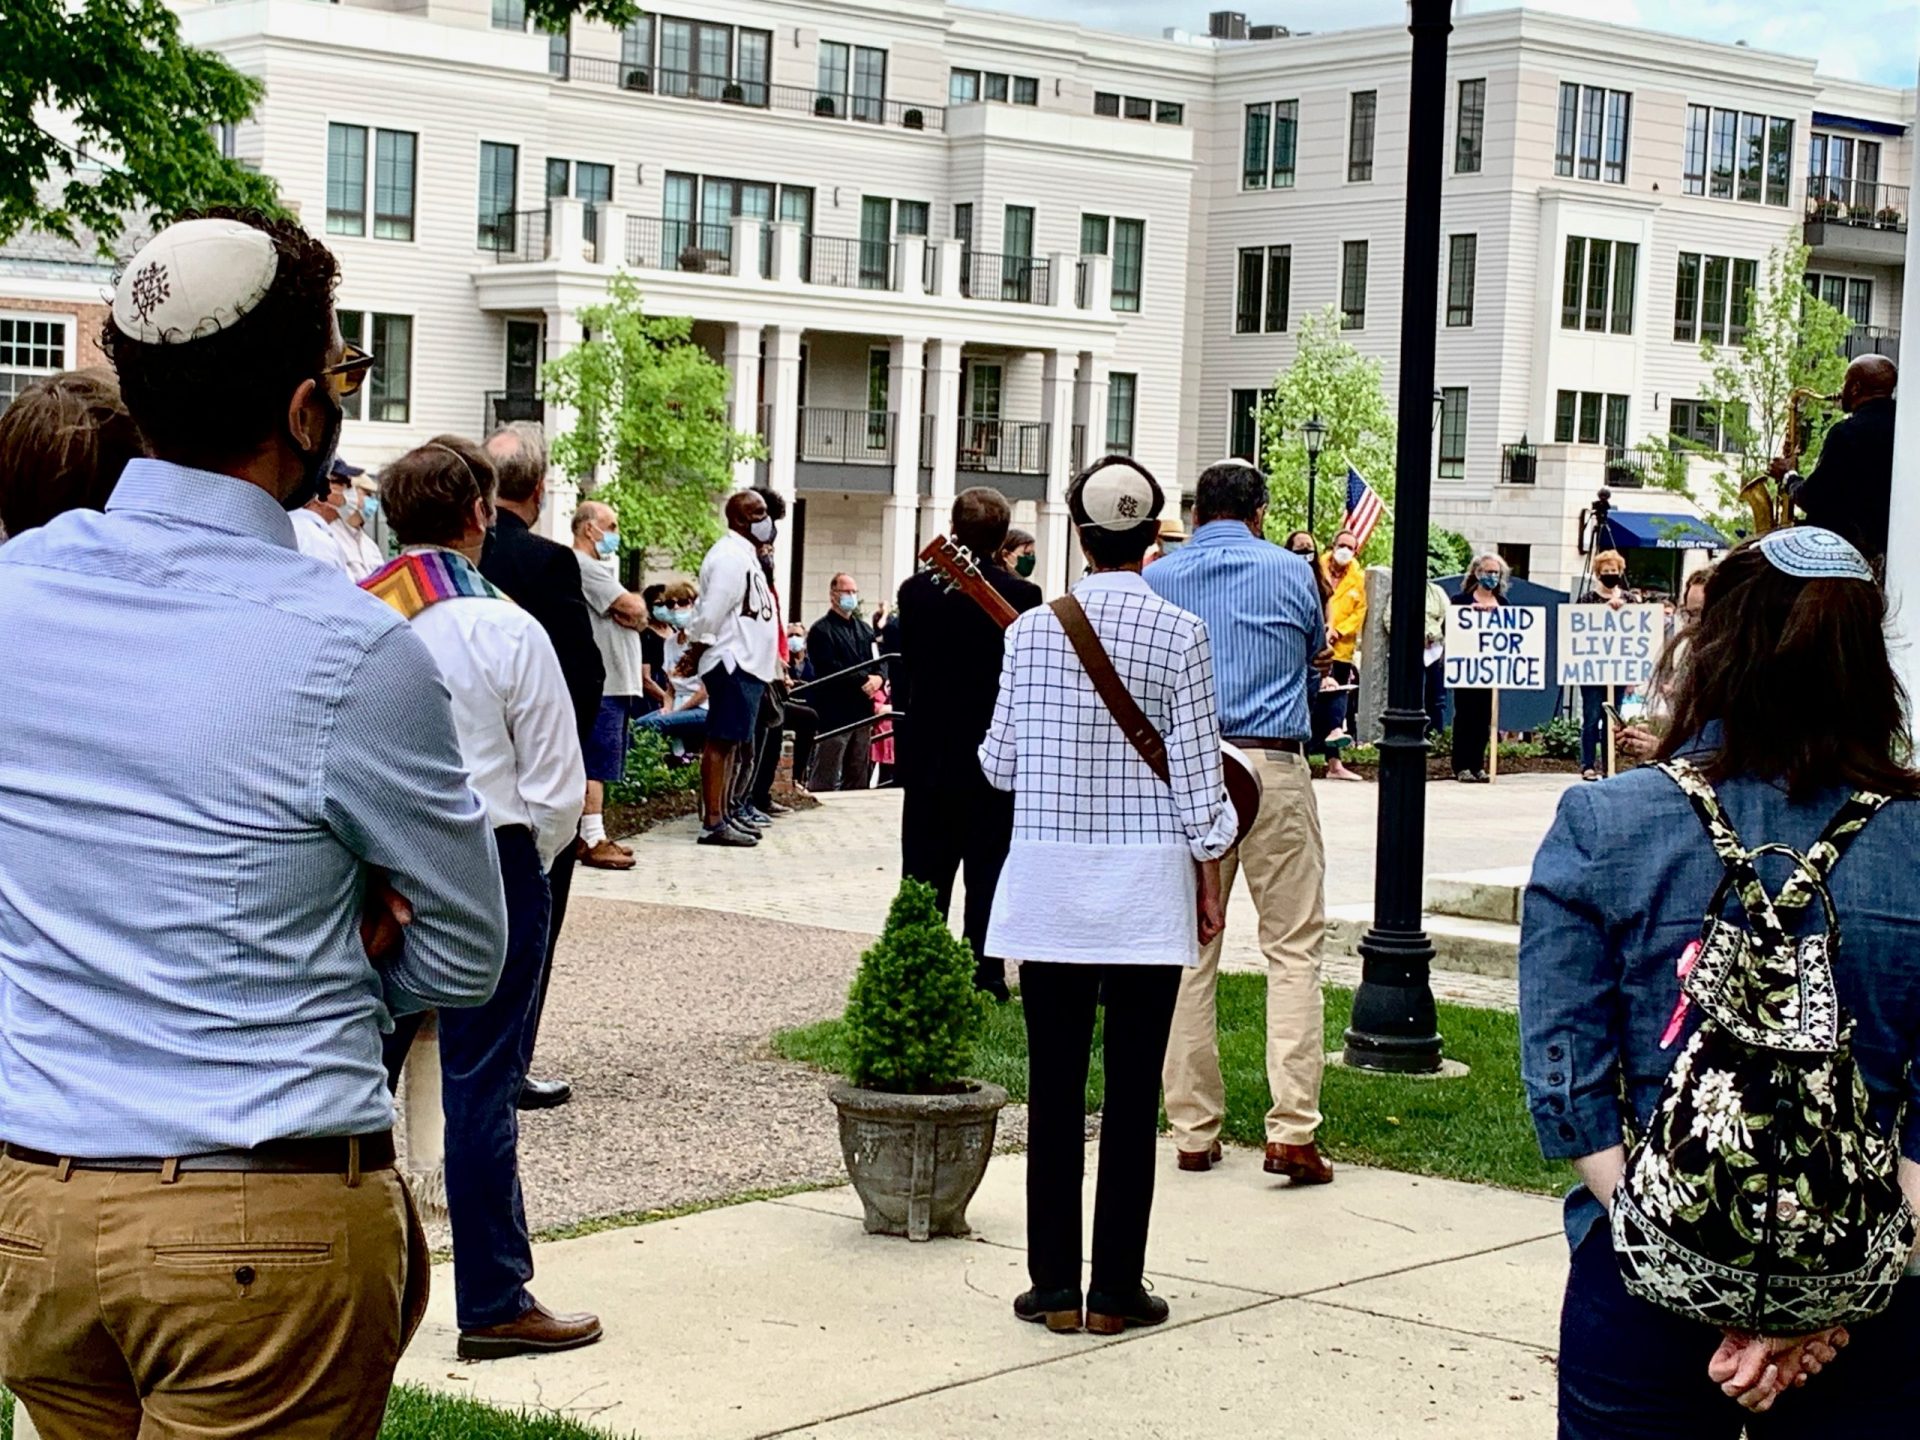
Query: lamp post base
1394,1027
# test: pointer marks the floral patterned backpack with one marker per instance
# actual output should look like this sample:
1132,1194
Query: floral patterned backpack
1762,1197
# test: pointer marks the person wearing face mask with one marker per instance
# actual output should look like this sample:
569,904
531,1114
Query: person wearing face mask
349,527
197,1054
517,738
1346,589
655,687
1017,554
735,650
619,618
1484,587
315,527
682,715
1609,589
842,640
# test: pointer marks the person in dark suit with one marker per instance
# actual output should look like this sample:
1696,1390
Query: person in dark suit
1852,486
542,578
945,682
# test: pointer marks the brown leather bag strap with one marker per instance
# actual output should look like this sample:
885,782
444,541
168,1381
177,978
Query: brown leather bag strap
1112,690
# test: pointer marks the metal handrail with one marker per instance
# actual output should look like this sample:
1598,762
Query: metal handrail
860,665
752,94
1838,200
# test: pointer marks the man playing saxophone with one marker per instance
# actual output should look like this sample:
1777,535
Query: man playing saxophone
1850,489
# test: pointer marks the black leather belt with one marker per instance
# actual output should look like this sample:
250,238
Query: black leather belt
1255,742
333,1155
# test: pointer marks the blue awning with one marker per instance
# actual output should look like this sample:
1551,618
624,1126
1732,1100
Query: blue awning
1828,121
1655,530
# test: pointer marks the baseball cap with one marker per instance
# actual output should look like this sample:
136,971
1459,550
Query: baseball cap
343,471
192,280
1115,493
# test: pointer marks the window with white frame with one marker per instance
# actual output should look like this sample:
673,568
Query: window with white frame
32,346
1851,295
1592,134
1713,297
1365,106
1268,144
1598,284
1587,417
1463,253
1696,422
1353,285
387,395
1737,155
1470,124
966,86
1243,423
1843,176
1121,392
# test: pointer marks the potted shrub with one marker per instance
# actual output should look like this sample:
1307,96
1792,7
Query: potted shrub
823,105
1827,210
1889,217
639,80
732,94
914,120
916,1135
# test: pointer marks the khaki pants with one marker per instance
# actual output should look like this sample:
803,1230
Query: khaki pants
230,1305
1286,867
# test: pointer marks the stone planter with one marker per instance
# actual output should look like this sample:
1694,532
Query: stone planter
915,1160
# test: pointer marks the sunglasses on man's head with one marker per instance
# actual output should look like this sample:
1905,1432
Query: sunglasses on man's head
349,374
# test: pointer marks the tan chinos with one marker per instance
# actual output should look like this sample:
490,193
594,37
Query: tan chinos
1285,863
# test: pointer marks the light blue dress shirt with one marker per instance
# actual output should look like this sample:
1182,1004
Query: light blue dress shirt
205,736
1264,617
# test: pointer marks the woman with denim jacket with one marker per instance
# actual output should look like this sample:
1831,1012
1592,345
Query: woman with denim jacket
1787,702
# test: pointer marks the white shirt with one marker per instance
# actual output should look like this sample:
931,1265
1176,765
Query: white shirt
315,537
619,646
1101,866
512,713
736,617
688,691
361,554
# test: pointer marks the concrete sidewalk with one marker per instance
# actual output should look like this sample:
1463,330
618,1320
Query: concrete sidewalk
1385,1304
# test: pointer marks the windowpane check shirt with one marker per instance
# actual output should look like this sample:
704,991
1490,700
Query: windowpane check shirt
209,736
1262,611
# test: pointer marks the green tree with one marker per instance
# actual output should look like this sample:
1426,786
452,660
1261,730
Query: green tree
1793,342
1328,378
913,1014
125,89
652,406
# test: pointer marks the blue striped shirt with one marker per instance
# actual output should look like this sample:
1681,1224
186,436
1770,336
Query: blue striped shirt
1263,615
207,737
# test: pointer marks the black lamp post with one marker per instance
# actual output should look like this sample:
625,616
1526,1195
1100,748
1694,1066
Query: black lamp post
1394,1026
1316,436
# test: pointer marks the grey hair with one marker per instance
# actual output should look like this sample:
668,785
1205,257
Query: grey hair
521,464
1473,571
587,514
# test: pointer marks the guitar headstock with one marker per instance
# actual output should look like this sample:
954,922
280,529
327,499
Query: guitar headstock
952,561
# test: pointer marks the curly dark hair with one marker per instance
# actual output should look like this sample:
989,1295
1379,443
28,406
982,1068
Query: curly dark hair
219,399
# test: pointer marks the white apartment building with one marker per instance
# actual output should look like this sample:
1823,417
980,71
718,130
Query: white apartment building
937,246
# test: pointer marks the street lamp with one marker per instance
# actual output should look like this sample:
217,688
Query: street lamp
1316,436
1394,1027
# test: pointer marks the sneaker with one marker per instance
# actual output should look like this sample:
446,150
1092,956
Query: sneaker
752,832
724,834
1109,1314
744,820
758,816
774,807
1058,1310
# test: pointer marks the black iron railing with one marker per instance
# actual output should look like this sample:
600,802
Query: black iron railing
516,235
849,264
1020,279
750,93
656,244
1626,467
861,436
1004,447
1079,442
1835,200
503,407
926,442
1082,285
1517,463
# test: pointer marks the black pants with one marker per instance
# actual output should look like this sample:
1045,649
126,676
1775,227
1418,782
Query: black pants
947,824
483,1064
1060,1003
1629,1368
1472,728
1436,697
803,721
1329,709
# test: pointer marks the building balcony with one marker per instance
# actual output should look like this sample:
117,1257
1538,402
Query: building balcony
1871,340
748,94
1856,220
1017,279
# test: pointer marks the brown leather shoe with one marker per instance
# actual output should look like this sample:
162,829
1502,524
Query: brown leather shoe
537,1332
623,849
1302,1164
1200,1159
605,855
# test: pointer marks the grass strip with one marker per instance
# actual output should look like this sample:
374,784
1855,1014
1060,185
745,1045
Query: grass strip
416,1414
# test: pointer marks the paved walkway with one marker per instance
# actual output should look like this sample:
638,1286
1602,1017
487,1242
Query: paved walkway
1382,1305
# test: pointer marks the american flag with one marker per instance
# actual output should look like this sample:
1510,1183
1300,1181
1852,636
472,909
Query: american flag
1364,508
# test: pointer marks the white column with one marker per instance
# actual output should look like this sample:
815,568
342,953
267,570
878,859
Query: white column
746,246
899,536
567,231
743,390
1090,404
946,269
1100,284
910,265
1057,387
1062,276
563,490
783,436
943,381
786,253
1903,517
610,247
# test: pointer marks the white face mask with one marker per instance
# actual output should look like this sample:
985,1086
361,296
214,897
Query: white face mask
1343,553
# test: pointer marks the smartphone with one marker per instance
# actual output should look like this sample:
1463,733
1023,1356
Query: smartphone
1613,715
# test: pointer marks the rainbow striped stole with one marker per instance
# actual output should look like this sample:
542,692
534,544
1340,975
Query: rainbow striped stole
411,583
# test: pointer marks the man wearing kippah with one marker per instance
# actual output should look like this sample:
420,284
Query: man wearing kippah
204,1233
1111,886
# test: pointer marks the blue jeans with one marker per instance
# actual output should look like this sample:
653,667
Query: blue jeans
688,726
484,1052
1632,1371
1593,727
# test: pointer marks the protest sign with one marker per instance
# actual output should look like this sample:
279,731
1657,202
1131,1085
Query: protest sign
1600,645
1503,648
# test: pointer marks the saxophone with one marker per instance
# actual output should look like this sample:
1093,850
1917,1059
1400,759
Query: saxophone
1772,507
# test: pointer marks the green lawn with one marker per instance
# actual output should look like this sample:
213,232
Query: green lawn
1470,1129
414,1414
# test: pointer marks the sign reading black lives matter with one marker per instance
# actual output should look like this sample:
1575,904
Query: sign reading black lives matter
1504,648
1600,645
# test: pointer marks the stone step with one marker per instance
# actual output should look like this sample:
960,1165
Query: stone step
1476,947
1479,894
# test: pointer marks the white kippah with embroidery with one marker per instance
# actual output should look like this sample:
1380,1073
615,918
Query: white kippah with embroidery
192,280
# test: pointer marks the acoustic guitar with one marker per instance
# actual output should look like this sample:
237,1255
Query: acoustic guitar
955,564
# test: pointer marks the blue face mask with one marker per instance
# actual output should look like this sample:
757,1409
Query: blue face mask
608,546
663,614
369,507
849,602
1489,582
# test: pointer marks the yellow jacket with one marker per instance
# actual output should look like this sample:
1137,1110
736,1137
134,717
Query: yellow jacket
1347,610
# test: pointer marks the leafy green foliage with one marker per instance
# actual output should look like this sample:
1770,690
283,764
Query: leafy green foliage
1559,738
1448,552
651,405
913,1015
1328,378
1793,340
647,772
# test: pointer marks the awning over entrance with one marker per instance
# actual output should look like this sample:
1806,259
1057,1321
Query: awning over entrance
1662,530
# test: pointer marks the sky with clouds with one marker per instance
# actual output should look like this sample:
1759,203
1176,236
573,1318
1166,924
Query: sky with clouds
1875,40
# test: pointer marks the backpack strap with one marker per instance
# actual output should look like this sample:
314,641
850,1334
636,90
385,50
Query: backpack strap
1735,856
1826,852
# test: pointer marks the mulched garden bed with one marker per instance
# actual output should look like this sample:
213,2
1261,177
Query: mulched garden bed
625,820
